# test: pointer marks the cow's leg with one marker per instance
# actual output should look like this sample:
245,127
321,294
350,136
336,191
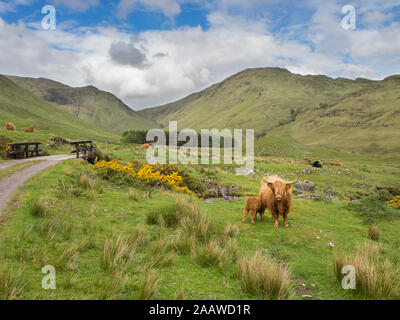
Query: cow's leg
276,224
245,214
262,211
285,221
253,215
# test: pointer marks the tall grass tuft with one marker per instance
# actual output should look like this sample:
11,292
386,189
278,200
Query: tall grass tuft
209,254
10,284
87,181
260,274
184,242
181,294
230,230
111,287
149,285
160,253
67,258
138,237
376,276
133,195
38,208
152,218
117,253
374,233
196,223
146,195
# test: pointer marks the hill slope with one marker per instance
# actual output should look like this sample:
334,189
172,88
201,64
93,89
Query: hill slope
98,107
23,108
354,115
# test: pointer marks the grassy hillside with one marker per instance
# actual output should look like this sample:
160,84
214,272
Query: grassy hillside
88,103
109,240
23,108
354,115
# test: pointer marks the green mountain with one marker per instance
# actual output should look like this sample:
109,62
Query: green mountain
355,115
23,109
97,107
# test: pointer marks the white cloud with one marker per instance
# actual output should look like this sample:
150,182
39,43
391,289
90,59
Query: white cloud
169,64
6,7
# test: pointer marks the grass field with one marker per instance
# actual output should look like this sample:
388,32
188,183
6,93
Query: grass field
111,240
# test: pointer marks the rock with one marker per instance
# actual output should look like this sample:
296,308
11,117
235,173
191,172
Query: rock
330,244
306,296
312,285
329,194
304,186
210,200
305,196
251,174
318,237
223,191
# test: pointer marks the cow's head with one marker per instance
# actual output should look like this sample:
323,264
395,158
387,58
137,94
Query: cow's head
279,188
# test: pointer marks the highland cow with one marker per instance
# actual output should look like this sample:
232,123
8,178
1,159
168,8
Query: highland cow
336,164
10,126
254,206
146,145
276,196
30,129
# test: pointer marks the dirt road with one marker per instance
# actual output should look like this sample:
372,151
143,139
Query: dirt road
10,184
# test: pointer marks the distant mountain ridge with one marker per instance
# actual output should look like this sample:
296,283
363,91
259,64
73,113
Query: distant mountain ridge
90,104
23,108
356,115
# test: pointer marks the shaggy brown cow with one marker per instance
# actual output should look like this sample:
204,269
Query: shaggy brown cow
146,145
336,164
276,195
308,160
253,205
10,126
30,129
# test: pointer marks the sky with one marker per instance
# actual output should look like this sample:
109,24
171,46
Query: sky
151,52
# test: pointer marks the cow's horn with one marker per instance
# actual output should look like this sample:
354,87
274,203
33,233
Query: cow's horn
266,181
291,182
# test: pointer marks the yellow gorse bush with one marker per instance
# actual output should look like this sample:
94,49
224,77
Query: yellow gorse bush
152,174
395,202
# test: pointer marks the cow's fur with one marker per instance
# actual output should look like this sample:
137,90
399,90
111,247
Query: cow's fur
276,196
10,126
254,206
336,164
30,129
308,160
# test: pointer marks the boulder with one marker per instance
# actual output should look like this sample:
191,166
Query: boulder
306,186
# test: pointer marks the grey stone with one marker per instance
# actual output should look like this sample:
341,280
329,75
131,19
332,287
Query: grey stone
306,186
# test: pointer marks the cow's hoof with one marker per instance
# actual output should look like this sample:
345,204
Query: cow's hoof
276,227
286,226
